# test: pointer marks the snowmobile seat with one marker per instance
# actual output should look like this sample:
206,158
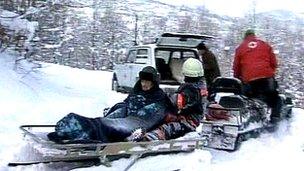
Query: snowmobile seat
233,101
227,85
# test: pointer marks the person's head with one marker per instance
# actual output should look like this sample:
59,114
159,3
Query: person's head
192,70
249,32
148,78
201,47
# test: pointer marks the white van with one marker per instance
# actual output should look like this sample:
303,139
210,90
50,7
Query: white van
167,55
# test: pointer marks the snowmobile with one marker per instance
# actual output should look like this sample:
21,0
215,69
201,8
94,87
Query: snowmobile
226,123
235,117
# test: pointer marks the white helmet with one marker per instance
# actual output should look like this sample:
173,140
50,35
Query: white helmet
193,68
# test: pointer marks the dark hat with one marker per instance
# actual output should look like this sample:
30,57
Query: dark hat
249,32
201,46
148,73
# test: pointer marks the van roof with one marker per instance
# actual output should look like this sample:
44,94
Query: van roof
187,35
178,40
162,46
182,39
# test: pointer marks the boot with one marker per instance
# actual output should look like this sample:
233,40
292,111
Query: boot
274,120
273,124
275,116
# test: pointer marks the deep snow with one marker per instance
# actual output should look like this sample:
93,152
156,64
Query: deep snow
47,94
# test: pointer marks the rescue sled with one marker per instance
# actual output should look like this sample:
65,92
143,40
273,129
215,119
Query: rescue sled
100,153
236,117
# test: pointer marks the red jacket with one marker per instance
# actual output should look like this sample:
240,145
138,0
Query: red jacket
254,59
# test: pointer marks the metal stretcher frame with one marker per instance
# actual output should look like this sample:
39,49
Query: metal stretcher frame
105,152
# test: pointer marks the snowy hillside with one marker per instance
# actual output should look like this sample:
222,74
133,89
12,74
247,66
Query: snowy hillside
31,95
49,93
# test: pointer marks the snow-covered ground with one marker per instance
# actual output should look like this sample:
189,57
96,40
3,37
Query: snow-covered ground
45,95
49,93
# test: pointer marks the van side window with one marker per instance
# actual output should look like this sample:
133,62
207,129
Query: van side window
142,53
131,56
141,56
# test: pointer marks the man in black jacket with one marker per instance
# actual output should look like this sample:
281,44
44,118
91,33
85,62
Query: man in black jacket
210,64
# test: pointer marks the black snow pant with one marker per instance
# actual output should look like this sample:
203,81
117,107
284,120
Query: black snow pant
265,89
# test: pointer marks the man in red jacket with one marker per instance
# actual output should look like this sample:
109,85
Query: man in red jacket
255,65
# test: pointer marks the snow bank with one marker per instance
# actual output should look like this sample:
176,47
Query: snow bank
45,96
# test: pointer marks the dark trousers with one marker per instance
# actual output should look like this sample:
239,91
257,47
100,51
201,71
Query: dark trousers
265,89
